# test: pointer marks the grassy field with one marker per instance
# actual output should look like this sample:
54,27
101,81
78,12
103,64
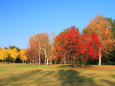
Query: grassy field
56,75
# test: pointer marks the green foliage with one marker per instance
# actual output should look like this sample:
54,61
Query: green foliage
112,22
111,56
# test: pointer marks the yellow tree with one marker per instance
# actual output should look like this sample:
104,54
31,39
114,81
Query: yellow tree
13,53
0,48
3,54
102,28
0,53
23,55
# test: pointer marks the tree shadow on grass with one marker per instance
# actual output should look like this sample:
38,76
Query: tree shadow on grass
110,83
65,66
71,66
27,78
72,78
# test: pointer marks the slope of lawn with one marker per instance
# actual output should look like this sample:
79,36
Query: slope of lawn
56,75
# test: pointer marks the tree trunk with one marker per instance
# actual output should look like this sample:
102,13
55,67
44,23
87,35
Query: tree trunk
71,60
39,58
65,59
84,64
47,61
39,61
51,60
33,61
55,62
74,63
68,58
45,56
39,53
99,56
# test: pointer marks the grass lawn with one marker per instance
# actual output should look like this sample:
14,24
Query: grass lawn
56,75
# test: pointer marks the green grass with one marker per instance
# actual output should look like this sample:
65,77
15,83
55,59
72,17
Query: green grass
56,75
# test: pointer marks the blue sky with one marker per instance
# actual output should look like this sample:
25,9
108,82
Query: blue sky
20,19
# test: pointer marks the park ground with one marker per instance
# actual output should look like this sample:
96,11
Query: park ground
56,75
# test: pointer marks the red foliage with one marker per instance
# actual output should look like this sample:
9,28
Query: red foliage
81,47
89,46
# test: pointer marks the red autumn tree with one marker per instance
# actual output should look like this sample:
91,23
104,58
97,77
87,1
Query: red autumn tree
79,47
88,48
67,43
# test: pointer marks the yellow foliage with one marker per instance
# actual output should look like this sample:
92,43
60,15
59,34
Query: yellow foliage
13,53
23,54
3,54
0,48
102,28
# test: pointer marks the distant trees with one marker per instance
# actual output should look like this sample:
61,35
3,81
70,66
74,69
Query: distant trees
11,54
3,54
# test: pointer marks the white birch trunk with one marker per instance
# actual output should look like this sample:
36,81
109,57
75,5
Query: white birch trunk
47,61
99,56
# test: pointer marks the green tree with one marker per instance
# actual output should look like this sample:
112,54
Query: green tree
112,22
111,57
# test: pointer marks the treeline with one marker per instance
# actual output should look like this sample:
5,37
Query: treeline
13,54
97,42
95,45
